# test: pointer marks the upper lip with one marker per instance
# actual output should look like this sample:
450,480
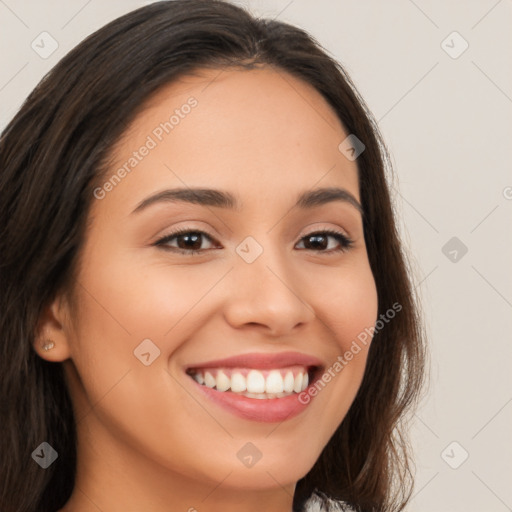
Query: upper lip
259,360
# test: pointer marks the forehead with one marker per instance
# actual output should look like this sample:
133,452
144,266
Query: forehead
246,129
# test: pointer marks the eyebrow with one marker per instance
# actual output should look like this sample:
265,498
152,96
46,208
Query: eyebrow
224,199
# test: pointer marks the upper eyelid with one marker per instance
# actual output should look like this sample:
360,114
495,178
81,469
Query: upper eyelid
178,232
320,226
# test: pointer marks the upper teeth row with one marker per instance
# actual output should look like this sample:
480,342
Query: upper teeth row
255,381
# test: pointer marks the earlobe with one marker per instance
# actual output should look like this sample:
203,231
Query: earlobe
49,350
51,341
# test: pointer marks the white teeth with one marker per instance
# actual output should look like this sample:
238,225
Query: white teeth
209,380
297,384
255,382
198,377
305,381
288,382
259,396
223,381
264,396
274,383
238,384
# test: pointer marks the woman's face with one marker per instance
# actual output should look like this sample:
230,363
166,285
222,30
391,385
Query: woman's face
266,280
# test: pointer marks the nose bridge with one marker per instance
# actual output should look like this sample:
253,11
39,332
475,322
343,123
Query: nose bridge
263,260
266,287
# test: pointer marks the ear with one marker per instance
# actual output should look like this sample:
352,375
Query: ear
54,330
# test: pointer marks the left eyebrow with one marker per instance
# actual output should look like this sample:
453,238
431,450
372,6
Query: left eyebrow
224,199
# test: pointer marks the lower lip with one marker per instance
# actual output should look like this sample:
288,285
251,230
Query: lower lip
269,410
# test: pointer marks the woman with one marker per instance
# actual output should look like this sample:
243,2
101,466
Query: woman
205,305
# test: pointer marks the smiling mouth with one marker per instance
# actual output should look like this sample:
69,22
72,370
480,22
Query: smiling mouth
256,383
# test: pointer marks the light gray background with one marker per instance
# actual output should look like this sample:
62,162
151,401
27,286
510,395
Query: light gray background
447,122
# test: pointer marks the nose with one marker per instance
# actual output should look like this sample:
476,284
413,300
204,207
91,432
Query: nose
266,294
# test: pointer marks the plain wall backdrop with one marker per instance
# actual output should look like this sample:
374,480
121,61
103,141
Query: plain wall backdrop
437,76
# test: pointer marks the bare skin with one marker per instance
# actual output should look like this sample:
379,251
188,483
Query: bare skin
147,440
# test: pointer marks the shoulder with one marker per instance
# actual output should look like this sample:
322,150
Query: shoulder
318,504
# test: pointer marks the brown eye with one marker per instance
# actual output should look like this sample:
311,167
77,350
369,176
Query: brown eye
319,241
190,242
185,241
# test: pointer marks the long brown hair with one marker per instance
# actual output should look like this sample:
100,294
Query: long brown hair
53,153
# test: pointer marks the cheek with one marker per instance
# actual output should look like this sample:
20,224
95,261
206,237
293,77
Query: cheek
347,306
130,398
144,300
346,301
124,301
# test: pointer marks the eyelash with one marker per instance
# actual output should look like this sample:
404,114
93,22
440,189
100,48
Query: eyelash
345,242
